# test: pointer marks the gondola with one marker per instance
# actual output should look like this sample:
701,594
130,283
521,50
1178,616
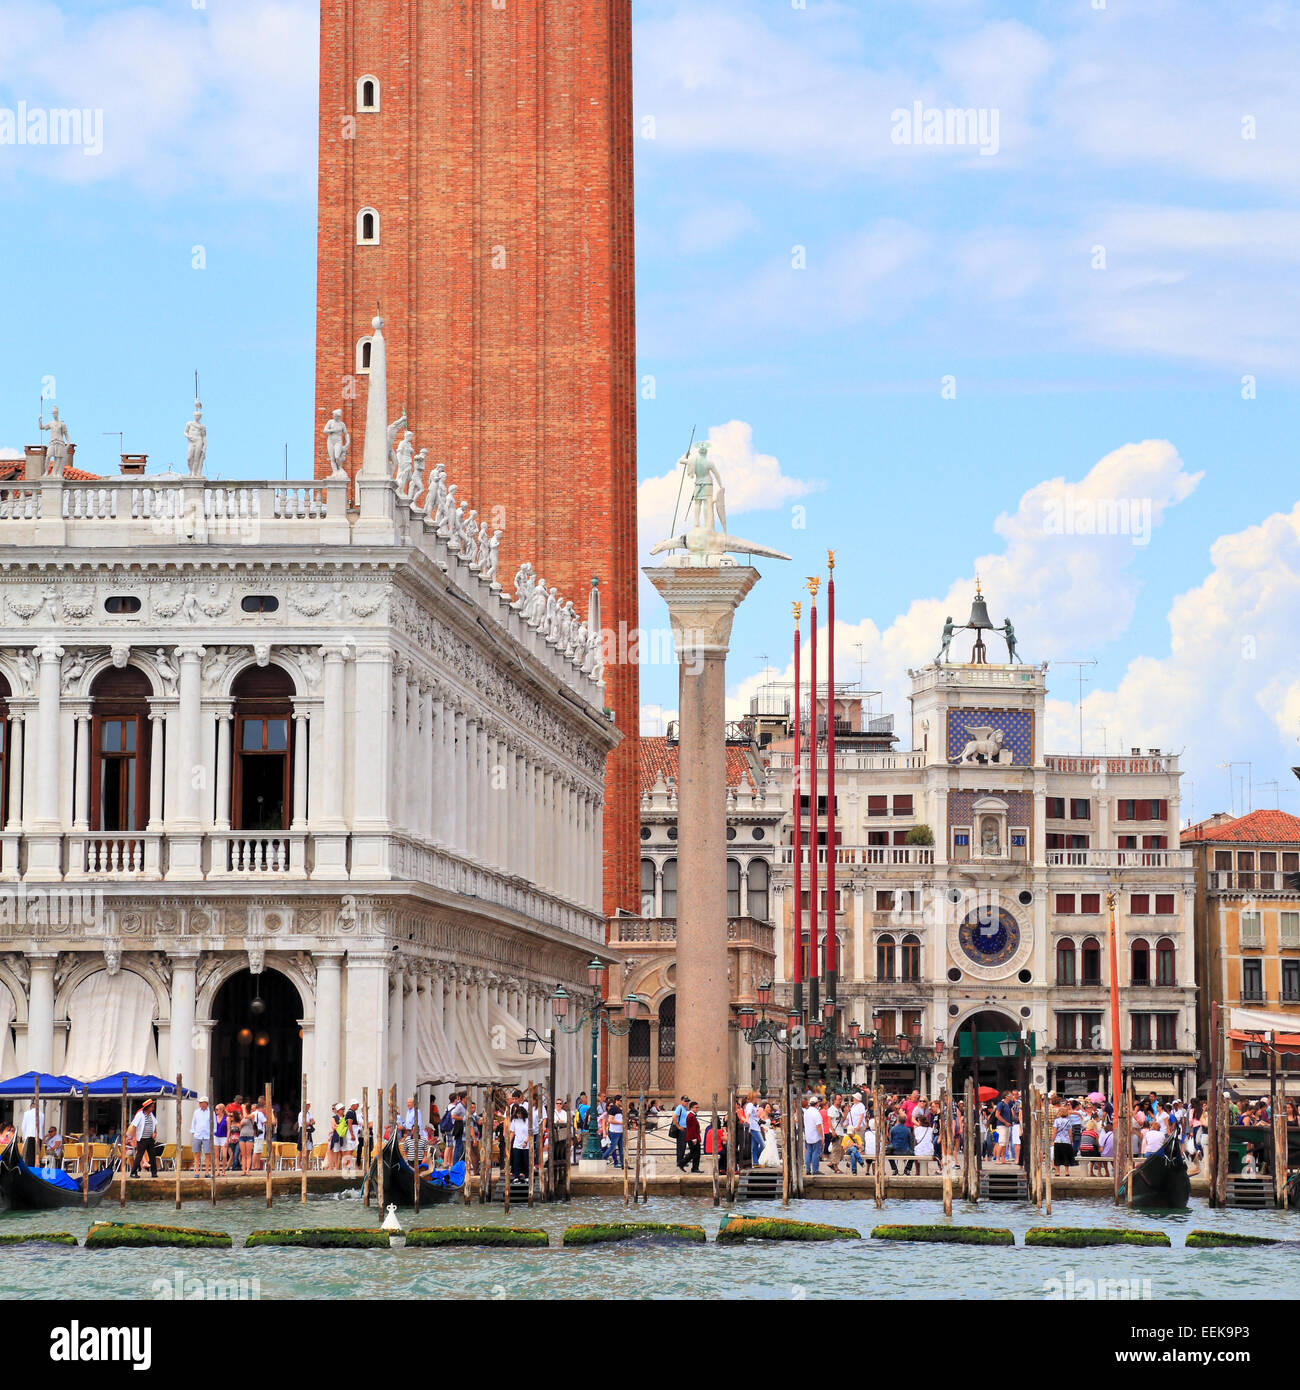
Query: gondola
1161,1179
37,1189
438,1185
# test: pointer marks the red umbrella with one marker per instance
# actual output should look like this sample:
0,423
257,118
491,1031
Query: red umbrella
989,1093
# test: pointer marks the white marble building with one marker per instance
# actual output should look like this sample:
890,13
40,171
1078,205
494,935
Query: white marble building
288,788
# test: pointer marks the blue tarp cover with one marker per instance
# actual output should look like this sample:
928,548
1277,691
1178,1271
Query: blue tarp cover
52,1087
56,1177
135,1086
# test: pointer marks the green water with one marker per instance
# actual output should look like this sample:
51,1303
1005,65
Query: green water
648,1270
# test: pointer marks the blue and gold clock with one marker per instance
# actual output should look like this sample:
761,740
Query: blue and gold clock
989,936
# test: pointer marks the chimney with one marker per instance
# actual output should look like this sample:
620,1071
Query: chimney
134,463
34,466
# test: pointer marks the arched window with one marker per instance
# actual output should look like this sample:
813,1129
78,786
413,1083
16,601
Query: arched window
911,958
1065,961
759,878
1165,974
1140,970
367,227
1091,961
733,888
648,888
668,890
363,355
368,93
262,783
885,958
119,749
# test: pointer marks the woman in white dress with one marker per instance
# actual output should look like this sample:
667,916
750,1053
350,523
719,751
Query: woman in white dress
923,1138
770,1157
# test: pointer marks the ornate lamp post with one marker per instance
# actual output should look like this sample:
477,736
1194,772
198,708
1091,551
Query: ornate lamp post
600,1013
1017,1045
761,1034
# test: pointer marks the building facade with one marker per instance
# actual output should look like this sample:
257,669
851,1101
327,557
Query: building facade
475,166
286,789
1248,938
973,876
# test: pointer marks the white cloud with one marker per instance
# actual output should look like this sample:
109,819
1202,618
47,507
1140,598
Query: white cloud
8,453
1229,687
1066,588
753,482
225,93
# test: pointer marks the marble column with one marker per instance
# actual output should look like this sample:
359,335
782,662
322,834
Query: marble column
460,760
49,655
367,1023
329,1030
334,674
184,994
15,753
410,1030
396,1022
81,811
701,606
40,1013
301,756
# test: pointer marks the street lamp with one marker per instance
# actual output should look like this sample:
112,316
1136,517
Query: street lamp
1017,1045
760,1034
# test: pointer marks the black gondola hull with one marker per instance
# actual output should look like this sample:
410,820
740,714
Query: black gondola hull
21,1189
1161,1180
399,1182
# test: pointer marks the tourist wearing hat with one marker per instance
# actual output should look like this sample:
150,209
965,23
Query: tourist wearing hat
145,1126
201,1134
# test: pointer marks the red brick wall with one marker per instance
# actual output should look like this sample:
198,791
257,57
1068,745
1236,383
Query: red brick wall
498,128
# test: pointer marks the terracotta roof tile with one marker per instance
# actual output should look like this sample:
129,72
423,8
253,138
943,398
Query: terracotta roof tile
1259,827
658,756
11,469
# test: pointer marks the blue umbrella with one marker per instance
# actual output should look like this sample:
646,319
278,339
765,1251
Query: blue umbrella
136,1085
52,1087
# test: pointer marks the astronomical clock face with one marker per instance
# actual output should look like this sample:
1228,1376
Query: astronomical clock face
990,942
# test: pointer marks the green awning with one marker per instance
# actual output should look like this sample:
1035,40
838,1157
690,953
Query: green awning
989,1043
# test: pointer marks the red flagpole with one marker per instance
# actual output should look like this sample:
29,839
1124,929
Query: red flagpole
832,964
814,958
797,976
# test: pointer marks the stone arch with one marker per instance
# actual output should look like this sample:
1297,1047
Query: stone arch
283,658
10,979
231,963
91,963
139,658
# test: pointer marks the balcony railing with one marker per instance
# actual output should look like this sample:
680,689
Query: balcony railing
662,931
909,761
862,855
1121,858
1251,881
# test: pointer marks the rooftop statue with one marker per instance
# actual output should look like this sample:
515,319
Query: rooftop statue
707,543
337,443
196,442
56,453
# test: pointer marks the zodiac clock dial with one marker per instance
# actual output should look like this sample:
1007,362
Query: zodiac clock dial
989,937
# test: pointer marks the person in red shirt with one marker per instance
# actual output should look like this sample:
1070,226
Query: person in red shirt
693,1136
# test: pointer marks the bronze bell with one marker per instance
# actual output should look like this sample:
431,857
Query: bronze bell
979,613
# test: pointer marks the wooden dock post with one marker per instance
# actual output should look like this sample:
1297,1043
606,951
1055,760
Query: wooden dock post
945,1143
733,1130
268,1144
85,1145
717,1141
639,1192
1050,1154
212,1137
1278,1103
415,1155
785,1164
882,1143
304,1147
365,1148
971,1126
121,1148
507,1173
531,1111
379,1147
179,1146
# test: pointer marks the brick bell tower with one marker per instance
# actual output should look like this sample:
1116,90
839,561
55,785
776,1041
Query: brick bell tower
476,180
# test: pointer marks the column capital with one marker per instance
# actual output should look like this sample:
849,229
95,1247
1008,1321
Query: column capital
188,652
48,651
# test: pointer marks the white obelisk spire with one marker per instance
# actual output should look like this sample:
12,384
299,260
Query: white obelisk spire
374,458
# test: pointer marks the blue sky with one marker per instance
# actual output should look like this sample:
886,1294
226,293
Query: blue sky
1165,134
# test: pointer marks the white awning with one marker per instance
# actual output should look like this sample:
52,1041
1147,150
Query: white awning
110,1027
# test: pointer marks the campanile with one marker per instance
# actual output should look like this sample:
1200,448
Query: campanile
476,180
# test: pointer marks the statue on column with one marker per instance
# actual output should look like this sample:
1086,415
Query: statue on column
196,440
489,570
705,539
523,585
446,512
56,453
417,479
948,630
405,463
434,492
337,443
